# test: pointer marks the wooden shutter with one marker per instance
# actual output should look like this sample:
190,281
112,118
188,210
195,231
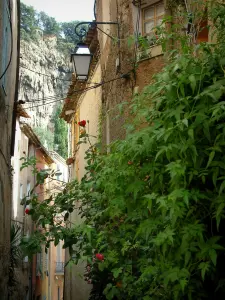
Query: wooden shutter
5,47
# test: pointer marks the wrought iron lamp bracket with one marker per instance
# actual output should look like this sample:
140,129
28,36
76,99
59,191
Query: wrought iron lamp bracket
82,32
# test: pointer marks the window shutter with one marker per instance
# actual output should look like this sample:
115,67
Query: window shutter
5,47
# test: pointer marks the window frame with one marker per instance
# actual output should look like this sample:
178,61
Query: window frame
155,18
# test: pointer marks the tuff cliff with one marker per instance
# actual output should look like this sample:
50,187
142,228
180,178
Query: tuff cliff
45,74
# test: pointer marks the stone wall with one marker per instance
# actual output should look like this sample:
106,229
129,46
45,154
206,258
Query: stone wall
118,59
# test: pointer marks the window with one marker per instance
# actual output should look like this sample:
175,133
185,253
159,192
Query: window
59,252
203,31
21,191
5,48
28,189
152,16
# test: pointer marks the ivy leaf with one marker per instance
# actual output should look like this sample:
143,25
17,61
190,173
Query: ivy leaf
206,130
185,122
116,272
204,267
187,257
215,175
222,186
183,284
213,256
211,156
192,82
191,133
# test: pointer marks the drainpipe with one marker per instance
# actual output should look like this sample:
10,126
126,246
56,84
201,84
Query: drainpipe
13,133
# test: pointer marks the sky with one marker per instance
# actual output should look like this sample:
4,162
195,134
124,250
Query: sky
65,10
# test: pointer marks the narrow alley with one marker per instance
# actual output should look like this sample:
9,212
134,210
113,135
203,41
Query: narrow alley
112,151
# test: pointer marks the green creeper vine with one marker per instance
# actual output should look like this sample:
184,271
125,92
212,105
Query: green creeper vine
154,208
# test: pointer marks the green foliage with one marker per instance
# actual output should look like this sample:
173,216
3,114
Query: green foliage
61,134
48,24
69,32
28,22
45,136
57,140
16,256
28,18
154,206
32,20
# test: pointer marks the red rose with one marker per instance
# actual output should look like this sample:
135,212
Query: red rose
82,123
67,100
99,256
27,210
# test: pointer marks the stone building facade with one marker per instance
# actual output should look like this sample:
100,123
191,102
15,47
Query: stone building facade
9,55
122,58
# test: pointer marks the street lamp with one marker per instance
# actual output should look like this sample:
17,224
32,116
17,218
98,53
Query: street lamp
81,60
82,57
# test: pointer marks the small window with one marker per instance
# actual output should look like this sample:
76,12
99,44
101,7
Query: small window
152,16
59,252
28,189
21,191
203,31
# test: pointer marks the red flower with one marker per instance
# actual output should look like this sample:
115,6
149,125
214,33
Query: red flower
82,123
130,162
69,161
67,100
99,256
27,209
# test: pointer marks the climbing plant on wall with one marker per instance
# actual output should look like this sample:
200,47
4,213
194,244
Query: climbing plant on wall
153,208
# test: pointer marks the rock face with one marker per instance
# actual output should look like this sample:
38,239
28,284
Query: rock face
45,73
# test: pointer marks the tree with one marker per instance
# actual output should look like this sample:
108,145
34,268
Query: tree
60,134
45,136
48,24
28,21
69,33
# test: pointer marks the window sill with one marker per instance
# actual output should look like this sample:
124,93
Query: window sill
149,53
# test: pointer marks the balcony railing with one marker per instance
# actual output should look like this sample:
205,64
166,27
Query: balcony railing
59,267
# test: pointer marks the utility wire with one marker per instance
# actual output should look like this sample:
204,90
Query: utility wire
50,76
79,91
85,90
11,32
55,98
31,100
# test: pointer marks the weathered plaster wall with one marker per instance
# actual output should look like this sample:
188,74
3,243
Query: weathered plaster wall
6,114
89,109
56,279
